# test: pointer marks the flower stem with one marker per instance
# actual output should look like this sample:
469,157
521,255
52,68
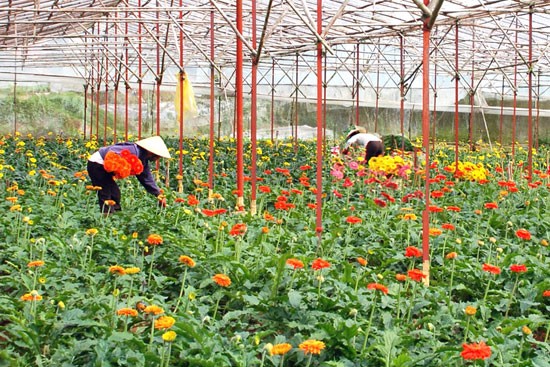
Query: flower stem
466,329
309,360
181,290
216,308
451,284
367,332
151,266
512,296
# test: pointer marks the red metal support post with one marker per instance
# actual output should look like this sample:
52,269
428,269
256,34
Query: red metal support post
239,108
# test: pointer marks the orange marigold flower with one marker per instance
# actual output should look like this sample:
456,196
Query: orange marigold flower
295,263
362,261
154,239
412,251
491,269
523,234
164,322
378,287
127,312
222,280
312,346
154,309
400,277
319,264
187,261
451,255
518,268
116,269
546,293
35,263
416,274
280,349
475,351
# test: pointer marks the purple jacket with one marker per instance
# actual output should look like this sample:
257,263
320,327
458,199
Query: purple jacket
146,177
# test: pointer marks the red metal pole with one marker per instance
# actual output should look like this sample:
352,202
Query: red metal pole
140,76
357,122
182,112
105,113
377,90
212,111
457,79
501,113
434,112
97,99
515,98
117,79
426,143
530,100
159,80
402,90
253,116
295,128
239,108
319,172
272,112
127,85
472,100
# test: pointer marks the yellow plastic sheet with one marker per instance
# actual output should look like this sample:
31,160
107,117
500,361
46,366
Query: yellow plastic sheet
185,91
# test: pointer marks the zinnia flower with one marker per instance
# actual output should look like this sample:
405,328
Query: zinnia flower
295,263
169,336
154,309
546,293
416,274
35,263
412,251
475,351
222,280
378,287
127,312
91,232
312,346
517,268
523,234
164,322
400,277
280,349
491,269
470,310
132,270
353,220
238,229
491,205
116,269
154,239
187,261
319,264
451,255
33,296
362,261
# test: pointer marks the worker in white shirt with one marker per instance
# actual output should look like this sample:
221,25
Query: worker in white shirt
372,143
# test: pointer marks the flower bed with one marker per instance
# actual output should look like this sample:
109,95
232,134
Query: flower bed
199,284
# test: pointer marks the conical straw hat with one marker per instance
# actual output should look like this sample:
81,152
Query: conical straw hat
155,145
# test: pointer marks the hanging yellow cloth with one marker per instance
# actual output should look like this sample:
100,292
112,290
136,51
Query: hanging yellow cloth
185,91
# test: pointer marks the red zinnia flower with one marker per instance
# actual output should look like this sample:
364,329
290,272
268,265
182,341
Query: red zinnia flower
353,220
546,293
416,274
448,226
517,268
491,205
379,202
453,208
412,251
475,351
295,263
238,229
523,234
192,200
264,189
378,287
319,264
491,269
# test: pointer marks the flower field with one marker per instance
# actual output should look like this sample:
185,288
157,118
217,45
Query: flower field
200,284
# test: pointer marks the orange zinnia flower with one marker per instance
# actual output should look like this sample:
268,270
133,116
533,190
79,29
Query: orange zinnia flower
546,293
475,351
435,232
35,263
280,349
400,277
154,239
127,312
116,269
517,268
312,346
319,264
523,234
187,261
362,261
378,287
412,251
295,263
164,322
448,226
154,309
451,255
222,280
33,296
492,205
491,269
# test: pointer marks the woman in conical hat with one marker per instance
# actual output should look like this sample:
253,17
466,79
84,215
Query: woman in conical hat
372,143
103,168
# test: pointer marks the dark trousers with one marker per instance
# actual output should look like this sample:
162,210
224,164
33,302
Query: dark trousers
373,149
109,188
